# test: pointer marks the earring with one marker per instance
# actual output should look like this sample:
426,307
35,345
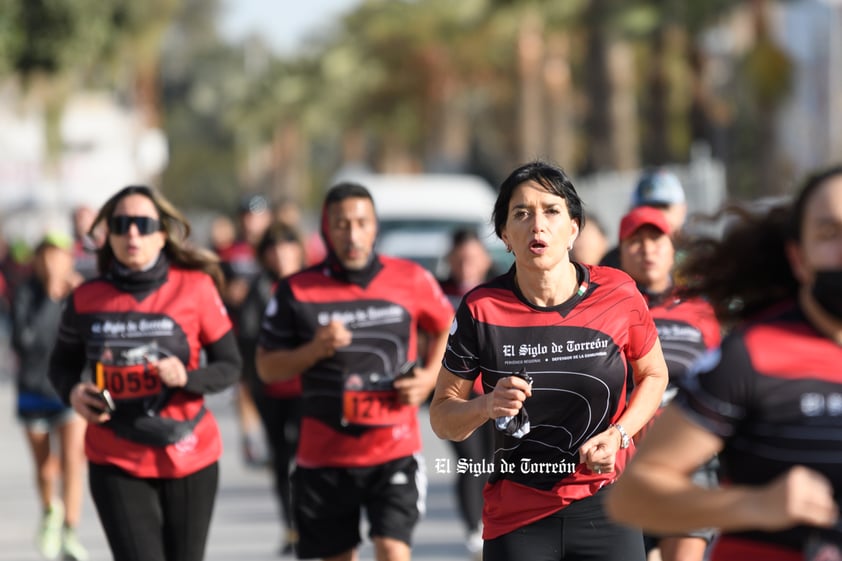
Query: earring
508,248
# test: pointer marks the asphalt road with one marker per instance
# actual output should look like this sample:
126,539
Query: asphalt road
246,525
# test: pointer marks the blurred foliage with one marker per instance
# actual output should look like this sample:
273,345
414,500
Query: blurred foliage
55,47
52,36
768,70
393,73
765,75
77,40
202,78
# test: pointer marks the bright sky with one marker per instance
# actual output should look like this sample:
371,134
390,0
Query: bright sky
284,23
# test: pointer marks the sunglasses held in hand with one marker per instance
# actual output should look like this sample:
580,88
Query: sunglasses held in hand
121,223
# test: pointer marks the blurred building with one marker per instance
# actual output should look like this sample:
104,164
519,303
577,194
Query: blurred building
608,195
102,146
809,123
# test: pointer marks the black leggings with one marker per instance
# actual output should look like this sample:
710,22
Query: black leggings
154,519
477,447
281,418
579,532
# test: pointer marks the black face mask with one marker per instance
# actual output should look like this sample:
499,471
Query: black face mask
827,290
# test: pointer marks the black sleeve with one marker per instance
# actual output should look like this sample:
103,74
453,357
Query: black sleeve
68,358
222,370
26,324
21,336
462,354
251,310
717,392
278,329
251,315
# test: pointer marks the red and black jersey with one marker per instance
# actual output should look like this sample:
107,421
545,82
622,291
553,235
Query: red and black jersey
577,354
348,418
239,260
454,292
773,393
121,332
687,329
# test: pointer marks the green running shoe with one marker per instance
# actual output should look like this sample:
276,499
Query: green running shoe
71,548
48,539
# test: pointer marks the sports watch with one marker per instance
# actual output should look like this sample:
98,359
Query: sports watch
625,439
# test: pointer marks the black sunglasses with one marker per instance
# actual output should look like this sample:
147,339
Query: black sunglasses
121,223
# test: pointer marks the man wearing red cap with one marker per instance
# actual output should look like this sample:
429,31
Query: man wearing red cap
686,328
659,189
646,250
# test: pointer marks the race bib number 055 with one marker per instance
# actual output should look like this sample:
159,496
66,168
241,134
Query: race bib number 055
128,382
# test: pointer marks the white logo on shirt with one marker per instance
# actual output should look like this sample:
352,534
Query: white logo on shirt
271,308
364,317
816,404
560,348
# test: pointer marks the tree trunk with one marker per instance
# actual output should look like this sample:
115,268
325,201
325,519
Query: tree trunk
530,46
598,86
624,147
562,113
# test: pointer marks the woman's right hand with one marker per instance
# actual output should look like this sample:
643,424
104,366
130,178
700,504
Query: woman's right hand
86,400
798,496
507,398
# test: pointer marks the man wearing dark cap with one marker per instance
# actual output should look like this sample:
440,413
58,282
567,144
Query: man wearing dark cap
659,189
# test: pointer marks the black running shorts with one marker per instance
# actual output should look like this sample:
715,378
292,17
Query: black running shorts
328,503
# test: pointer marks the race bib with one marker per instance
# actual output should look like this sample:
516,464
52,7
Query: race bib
128,381
370,400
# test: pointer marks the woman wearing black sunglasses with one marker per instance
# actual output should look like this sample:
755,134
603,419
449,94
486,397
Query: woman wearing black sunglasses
139,327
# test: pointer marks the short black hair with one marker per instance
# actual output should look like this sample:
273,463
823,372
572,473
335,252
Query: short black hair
277,233
461,236
346,190
810,184
549,176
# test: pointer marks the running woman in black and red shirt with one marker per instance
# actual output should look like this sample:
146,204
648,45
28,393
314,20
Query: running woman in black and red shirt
349,327
153,448
574,330
687,328
769,401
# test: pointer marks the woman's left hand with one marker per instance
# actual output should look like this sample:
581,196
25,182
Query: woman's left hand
600,452
171,371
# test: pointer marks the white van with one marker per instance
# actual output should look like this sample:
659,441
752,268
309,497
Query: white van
419,213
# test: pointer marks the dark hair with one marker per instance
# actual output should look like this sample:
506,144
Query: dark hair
810,185
346,190
279,233
747,270
175,226
337,194
461,236
551,178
